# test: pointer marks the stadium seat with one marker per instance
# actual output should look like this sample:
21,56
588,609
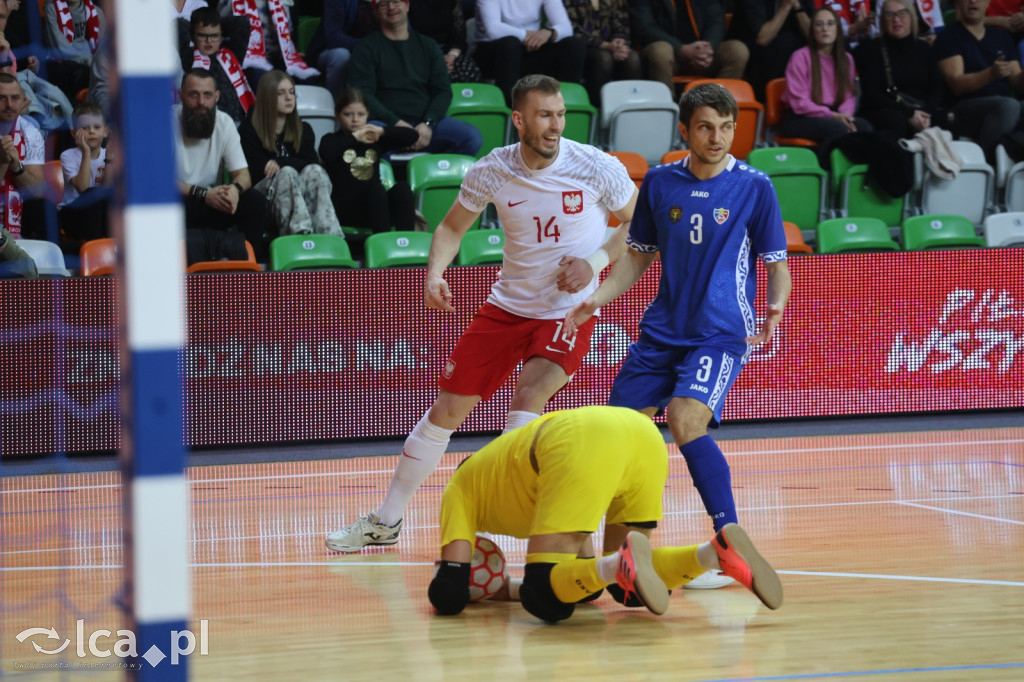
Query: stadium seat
435,180
212,266
98,257
800,183
315,105
635,164
387,174
861,235
395,249
674,155
749,121
922,232
969,194
580,114
773,110
856,193
795,239
481,246
310,252
1000,229
53,176
1013,188
483,106
639,116
304,31
48,257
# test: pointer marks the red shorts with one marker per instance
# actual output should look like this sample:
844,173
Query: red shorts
496,341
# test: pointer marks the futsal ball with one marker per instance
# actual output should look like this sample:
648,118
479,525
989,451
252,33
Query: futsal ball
487,572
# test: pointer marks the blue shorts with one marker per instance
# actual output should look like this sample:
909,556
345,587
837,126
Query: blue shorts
653,374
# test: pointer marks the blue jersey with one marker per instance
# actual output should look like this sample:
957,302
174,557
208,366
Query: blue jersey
709,234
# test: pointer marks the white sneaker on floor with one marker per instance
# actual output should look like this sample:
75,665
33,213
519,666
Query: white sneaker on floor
363,532
709,580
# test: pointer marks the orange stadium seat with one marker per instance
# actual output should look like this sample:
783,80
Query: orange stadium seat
773,109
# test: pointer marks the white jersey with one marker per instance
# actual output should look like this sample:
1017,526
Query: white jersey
546,214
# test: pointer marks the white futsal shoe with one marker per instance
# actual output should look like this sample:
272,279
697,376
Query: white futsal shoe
363,532
709,580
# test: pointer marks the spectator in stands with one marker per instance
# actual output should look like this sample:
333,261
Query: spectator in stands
283,165
209,52
73,29
605,30
333,42
352,158
14,30
900,86
206,139
820,90
773,30
82,212
980,67
686,40
1007,15
512,42
14,262
443,21
404,79
22,210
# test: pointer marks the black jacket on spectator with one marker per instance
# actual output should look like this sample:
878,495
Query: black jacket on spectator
914,73
286,155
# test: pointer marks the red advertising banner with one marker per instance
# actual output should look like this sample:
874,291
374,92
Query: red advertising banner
306,356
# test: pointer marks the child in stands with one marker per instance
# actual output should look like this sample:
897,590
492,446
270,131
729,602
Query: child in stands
352,157
82,213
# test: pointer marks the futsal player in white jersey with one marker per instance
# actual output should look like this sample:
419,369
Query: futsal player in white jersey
553,197
710,216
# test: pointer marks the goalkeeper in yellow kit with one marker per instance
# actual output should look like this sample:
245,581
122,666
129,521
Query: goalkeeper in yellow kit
552,481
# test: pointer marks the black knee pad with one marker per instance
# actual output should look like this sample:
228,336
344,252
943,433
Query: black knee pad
592,596
619,594
538,598
449,590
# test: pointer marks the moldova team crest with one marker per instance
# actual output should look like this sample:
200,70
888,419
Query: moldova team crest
675,213
720,215
572,202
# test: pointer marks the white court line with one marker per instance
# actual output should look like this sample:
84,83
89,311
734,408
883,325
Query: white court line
282,477
365,564
961,513
689,512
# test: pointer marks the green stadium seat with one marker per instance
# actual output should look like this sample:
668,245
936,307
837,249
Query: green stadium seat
937,231
800,183
304,32
481,246
482,105
387,174
397,248
435,180
855,192
580,114
310,252
854,234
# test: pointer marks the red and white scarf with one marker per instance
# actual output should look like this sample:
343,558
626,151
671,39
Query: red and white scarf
233,69
11,197
67,24
256,53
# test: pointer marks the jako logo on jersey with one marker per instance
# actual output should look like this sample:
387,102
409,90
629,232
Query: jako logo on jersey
572,202
675,214
721,215
449,369
702,195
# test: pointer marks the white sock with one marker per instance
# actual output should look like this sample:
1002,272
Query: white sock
517,418
422,451
607,567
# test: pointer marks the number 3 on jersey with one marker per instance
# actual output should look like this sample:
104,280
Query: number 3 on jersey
697,228
548,229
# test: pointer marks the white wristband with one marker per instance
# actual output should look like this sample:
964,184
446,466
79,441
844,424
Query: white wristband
598,261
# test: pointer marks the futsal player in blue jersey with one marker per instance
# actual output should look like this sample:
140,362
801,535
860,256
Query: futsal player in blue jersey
710,217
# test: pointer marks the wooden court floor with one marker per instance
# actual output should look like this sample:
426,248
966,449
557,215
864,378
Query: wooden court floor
902,557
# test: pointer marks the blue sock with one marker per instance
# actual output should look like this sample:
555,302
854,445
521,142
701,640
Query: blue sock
711,477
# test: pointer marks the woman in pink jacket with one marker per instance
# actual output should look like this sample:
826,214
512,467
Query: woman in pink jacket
820,92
